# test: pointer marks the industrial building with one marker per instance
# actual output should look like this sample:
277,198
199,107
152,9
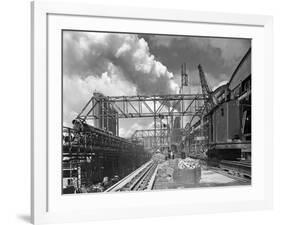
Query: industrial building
105,117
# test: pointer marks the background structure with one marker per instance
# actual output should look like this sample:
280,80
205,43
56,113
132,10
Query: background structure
15,110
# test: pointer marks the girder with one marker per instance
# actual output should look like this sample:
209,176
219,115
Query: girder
149,133
141,106
159,137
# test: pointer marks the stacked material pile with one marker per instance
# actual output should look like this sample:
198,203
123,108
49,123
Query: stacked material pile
188,163
188,172
178,173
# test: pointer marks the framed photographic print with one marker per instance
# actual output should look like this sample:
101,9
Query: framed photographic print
147,114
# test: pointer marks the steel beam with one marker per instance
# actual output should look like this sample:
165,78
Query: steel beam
144,106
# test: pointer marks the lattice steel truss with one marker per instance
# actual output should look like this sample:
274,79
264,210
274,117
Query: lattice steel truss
142,106
150,132
100,109
160,137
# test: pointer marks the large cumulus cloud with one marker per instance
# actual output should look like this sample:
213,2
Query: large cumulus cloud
92,54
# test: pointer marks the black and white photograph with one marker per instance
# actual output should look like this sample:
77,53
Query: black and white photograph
145,112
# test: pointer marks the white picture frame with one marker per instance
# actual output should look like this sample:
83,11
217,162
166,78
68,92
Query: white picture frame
48,18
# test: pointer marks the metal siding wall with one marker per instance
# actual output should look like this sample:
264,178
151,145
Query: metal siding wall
233,120
220,121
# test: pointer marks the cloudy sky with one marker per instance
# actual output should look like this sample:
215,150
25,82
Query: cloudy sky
130,64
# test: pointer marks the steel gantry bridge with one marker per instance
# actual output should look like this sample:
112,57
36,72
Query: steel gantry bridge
103,111
142,106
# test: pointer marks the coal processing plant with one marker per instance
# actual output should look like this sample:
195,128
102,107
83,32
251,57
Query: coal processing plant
195,138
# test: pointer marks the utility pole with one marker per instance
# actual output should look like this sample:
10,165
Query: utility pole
184,82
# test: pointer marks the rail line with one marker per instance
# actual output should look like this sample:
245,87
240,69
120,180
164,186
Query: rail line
140,180
243,180
237,168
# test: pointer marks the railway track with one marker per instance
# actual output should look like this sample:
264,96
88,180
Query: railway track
140,180
237,168
241,179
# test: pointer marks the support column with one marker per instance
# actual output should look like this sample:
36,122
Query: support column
117,124
154,105
154,131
